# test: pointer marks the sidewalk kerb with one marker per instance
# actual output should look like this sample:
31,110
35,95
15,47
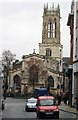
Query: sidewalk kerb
68,111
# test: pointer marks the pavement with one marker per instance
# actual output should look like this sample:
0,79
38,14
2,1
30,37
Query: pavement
69,109
0,115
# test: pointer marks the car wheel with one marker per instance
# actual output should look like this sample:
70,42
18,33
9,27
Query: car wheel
57,116
39,116
2,107
26,109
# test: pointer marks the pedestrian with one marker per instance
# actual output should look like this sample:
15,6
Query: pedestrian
58,98
65,98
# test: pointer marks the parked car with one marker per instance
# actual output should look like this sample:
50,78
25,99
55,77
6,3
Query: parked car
47,107
3,104
30,104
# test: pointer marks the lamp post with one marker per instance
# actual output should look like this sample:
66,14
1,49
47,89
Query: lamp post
64,73
1,84
26,90
33,87
70,70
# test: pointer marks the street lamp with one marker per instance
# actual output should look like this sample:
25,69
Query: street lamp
26,90
70,70
64,79
33,87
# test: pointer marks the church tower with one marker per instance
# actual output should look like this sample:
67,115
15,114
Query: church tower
51,46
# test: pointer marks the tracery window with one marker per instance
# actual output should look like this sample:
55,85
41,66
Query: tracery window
52,29
50,81
49,29
33,74
48,52
17,80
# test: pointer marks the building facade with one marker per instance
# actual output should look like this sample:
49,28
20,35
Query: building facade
45,68
73,23
75,53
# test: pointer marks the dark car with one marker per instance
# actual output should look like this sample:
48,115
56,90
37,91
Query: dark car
30,104
47,107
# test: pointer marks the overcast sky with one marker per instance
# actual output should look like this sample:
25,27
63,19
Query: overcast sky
21,25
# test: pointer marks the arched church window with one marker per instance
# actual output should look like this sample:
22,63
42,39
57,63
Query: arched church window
54,28
17,83
60,53
45,26
48,52
60,62
50,81
49,29
33,74
17,80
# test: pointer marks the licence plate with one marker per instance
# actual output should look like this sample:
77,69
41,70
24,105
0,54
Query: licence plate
49,113
32,106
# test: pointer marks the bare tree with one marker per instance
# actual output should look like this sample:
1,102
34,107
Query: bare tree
8,58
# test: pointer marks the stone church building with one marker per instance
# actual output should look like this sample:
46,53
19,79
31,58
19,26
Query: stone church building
45,68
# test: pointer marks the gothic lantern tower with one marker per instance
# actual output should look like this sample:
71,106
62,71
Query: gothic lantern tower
51,45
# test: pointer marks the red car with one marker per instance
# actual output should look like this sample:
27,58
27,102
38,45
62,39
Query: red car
47,107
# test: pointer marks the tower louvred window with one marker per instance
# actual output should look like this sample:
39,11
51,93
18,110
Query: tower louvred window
52,29
49,29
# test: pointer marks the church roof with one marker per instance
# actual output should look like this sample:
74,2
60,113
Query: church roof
32,55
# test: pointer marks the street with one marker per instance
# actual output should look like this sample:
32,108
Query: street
15,108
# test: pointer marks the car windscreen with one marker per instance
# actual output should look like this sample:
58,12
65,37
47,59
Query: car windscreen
32,101
47,102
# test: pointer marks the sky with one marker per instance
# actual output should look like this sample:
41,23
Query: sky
21,25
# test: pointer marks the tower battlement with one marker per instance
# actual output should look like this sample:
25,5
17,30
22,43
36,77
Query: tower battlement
51,10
